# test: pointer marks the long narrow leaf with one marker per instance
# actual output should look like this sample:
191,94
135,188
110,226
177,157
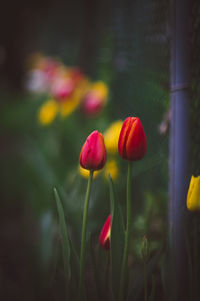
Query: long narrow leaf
117,239
64,236
75,268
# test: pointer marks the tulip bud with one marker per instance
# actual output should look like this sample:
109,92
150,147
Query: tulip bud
193,196
132,144
93,153
104,238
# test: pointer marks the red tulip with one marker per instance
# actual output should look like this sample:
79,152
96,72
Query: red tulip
132,144
104,238
93,153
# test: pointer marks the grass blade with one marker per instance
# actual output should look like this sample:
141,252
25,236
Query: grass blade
64,236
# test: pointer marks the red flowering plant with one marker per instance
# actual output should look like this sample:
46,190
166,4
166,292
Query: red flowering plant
132,146
69,93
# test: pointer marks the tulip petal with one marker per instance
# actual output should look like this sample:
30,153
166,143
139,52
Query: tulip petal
104,238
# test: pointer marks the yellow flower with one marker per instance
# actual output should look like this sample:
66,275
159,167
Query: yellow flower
85,173
47,112
111,136
193,197
112,169
101,89
69,106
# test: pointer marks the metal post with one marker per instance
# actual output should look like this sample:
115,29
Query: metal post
179,141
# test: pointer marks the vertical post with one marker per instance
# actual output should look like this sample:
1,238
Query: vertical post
179,142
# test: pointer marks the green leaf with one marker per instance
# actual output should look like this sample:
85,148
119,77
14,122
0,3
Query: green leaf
75,268
117,239
64,236
47,231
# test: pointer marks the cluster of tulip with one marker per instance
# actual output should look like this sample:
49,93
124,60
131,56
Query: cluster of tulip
68,88
132,146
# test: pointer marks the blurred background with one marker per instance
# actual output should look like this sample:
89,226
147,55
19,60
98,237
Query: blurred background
66,69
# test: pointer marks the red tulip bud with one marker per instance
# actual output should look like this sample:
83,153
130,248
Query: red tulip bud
132,144
93,153
104,238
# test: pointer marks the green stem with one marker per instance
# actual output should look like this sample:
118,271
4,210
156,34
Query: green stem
83,238
127,234
107,275
145,280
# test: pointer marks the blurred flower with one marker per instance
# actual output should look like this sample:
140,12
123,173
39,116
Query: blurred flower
47,112
77,75
36,82
104,238
68,106
65,83
85,173
112,169
41,74
111,136
132,143
93,152
193,196
95,100
62,88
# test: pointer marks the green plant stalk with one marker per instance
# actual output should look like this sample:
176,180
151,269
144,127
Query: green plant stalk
127,234
145,280
83,238
107,273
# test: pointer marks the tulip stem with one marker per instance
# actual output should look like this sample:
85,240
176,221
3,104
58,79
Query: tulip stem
127,234
83,238
145,280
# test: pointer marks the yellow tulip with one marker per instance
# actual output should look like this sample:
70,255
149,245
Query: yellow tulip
47,112
112,169
193,196
111,136
85,172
